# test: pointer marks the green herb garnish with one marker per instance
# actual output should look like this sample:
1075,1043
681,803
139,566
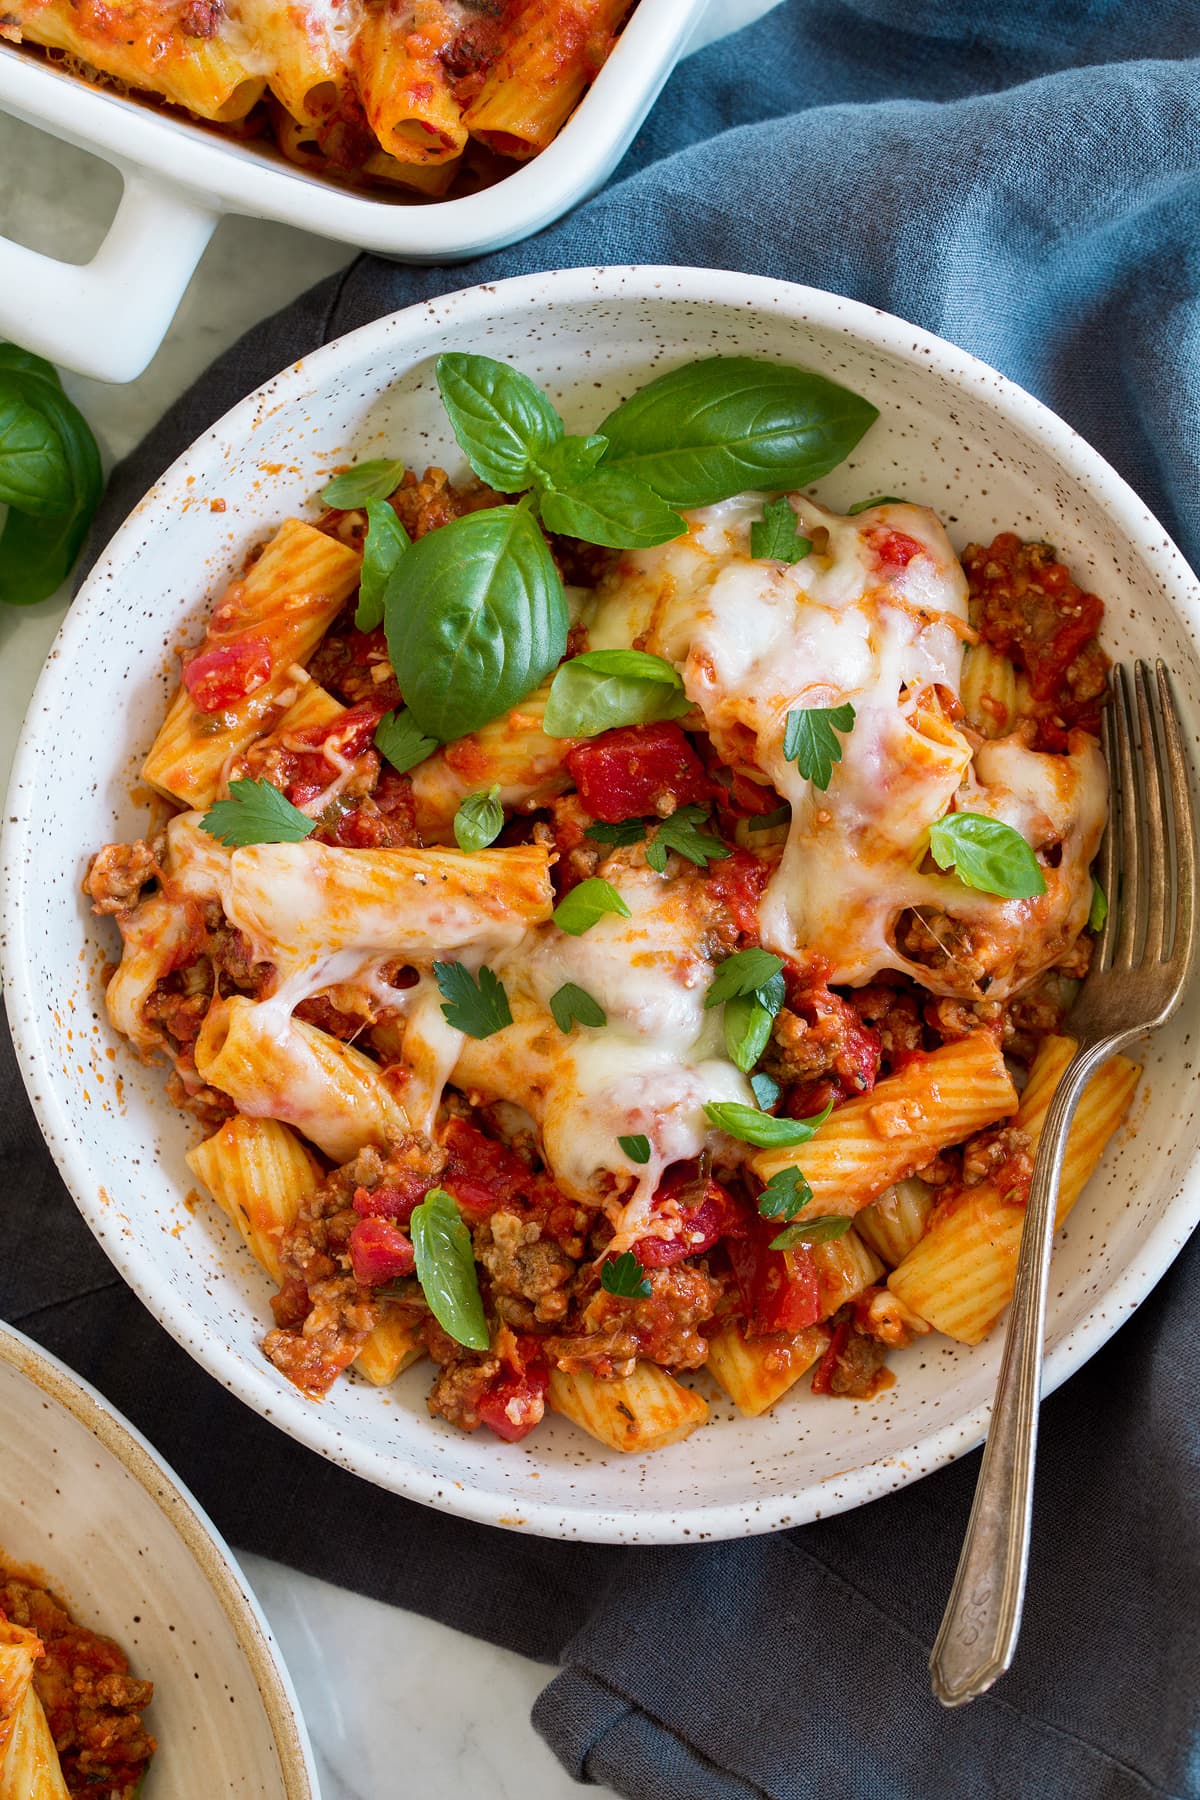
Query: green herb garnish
256,813
400,739
986,854
571,1005
603,689
624,1275
446,1269
478,1006
636,1147
774,537
810,740
812,1231
579,910
479,819
750,1126
373,480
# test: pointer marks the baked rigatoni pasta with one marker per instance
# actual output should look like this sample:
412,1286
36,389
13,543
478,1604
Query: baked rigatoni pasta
408,93
636,1013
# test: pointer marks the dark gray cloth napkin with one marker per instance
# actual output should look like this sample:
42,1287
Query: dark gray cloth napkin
1025,179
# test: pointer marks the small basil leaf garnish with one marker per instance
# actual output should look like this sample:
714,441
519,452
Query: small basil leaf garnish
812,1231
786,1194
810,740
624,1275
862,506
479,819
567,459
373,480
742,973
571,1005
603,689
1098,910
636,1147
986,854
475,617
384,545
610,507
766,1090
579,910
750,1126
716,427
775,538
502,420
446,1269
747,1024
478,1006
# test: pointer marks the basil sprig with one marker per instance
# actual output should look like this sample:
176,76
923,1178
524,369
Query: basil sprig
987,854
476,617
714,428
570,1004
446,1269
384,545
1098,910
603,689
579,910
475,612
812,1231
636,1147
749,984
50,478
373,480
750,1126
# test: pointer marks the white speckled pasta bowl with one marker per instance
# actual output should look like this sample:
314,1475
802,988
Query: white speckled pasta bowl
951,433
87,1502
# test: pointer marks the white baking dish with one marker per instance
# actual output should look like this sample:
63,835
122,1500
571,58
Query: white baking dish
106,318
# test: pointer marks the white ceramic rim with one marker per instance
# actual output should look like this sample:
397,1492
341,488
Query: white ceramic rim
307,1423
204,1543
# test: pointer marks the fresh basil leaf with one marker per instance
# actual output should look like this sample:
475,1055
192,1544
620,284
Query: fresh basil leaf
479,819
37,554
986,854
256,813
34,474
786,1194
446,1269
750,1126
1098,911
810,739
602,689
384,545
782,815
774,537
477,1006
861,506
13,357
572,1005
766,1090
373,480
399,738
636,1147
611,507
812,1231
475,617
568,458
678,832
624,1275
747,1024
579,910
714,428
626,831
742,973
502,420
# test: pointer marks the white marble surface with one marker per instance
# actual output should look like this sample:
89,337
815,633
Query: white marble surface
397,1706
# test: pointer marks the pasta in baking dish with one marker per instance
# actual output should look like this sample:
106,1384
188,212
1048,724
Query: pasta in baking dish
688,992
70,1711
412,93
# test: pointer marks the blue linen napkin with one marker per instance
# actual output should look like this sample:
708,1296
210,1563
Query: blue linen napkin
1023,178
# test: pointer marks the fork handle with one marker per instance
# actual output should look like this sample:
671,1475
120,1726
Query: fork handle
979,1630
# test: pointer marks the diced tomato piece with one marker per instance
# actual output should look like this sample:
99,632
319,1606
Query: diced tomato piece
396,1200
823,1374
738,882
779,1288
516,1400
852,1048
625,773
707,1211
895,549
226,673
480,1173
379,1252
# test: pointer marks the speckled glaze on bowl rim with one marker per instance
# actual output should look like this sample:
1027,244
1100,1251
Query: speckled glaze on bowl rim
409,334
197,1534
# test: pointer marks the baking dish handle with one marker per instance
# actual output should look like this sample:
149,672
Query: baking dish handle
106,318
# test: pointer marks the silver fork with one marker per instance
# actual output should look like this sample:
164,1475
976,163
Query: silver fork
1140,968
